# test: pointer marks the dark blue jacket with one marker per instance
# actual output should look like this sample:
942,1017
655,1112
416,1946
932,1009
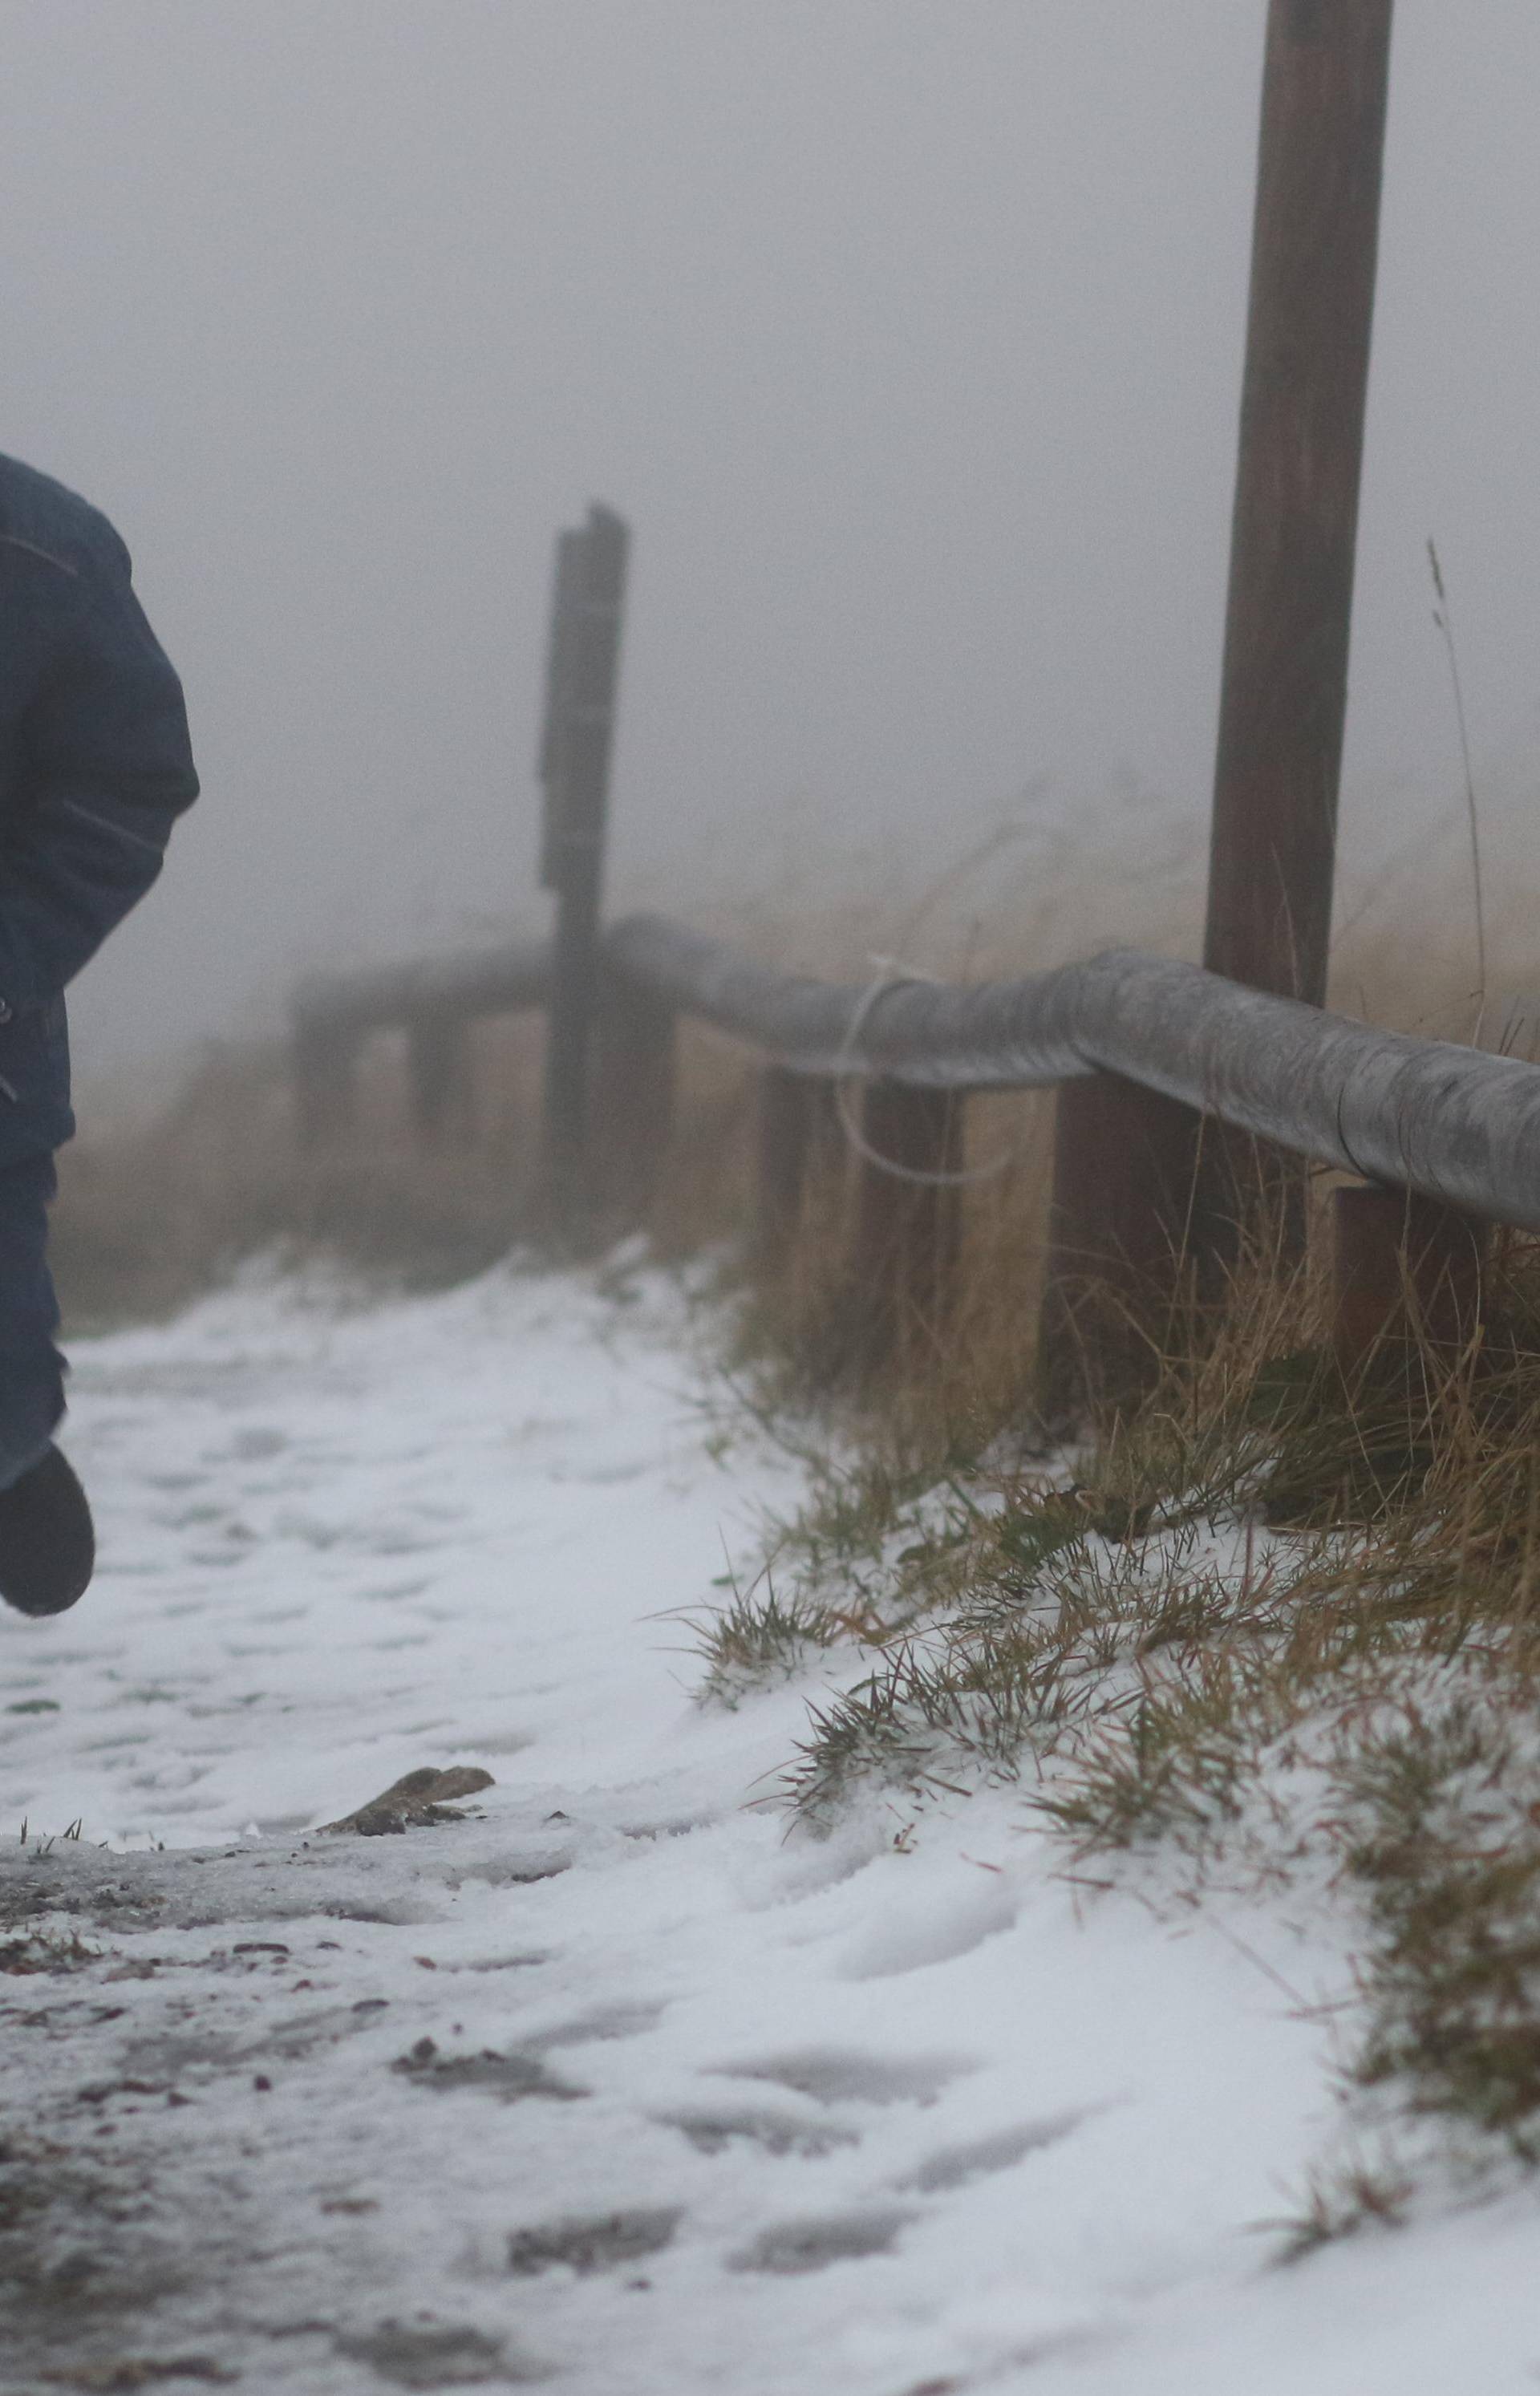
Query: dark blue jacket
95,767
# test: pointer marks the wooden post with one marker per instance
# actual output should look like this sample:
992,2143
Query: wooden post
908,1238
1125,1204
1114,1286
325,1092
1409,1276
438,1073
786,1105
634,1088
575,767
1284,693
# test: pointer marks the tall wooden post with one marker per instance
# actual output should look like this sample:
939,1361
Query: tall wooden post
1283,701
1125,1212
1284,694
582,671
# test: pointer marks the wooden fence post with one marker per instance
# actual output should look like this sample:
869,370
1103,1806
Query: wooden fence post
576,740
1410,1276
785,1126
635,1074
1122,1209
1284,691
908,1237
1115,1282
438,1078
325,1082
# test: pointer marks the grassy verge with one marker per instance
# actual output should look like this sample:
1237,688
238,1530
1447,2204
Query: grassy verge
1270,1625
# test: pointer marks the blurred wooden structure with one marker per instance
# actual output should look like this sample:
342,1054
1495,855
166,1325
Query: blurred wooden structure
1174,1077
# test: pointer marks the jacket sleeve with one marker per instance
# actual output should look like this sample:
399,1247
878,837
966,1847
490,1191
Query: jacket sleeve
105,768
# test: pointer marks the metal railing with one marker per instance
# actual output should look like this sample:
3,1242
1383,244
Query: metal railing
435,1000
1453,1124
1146,1052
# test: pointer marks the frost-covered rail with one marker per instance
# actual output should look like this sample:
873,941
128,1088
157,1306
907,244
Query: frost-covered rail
1452,1122
1144,1050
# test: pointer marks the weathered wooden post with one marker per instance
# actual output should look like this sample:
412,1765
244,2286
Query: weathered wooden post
438,1076
799,1136
1124,1160
1284,695
325,1067
1410,1277
909,1214
785,1130
635,1072
1121,1156
582,671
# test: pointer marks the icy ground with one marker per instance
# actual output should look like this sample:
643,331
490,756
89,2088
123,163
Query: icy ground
613,2084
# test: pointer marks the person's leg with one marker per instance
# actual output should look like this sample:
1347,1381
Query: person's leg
47,1547
32,1370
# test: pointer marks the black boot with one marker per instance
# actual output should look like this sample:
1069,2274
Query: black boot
47,1544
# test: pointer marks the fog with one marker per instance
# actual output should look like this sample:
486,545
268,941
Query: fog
908,335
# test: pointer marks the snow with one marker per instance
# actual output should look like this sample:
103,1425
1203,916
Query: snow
705,2107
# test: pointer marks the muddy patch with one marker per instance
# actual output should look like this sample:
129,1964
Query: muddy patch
774,2134
122,2374
508,2077
438,2358
604,2243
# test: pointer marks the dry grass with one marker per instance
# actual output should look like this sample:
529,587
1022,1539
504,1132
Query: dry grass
47,1951
150,1215
1269,1622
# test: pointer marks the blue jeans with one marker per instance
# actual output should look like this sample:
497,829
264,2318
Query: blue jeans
32,1370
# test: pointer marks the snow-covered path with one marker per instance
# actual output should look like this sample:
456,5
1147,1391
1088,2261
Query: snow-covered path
611,2084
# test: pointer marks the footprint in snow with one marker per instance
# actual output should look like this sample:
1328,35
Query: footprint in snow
943,1931
604,2023
835,2075
774,2134
951,2167
812,2245
256,1444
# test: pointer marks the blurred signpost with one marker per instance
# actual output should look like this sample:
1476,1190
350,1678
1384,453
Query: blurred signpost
582,669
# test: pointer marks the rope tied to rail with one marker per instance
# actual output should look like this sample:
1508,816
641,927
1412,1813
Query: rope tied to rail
889,977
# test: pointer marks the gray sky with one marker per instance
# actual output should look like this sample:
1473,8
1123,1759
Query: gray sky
907,334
